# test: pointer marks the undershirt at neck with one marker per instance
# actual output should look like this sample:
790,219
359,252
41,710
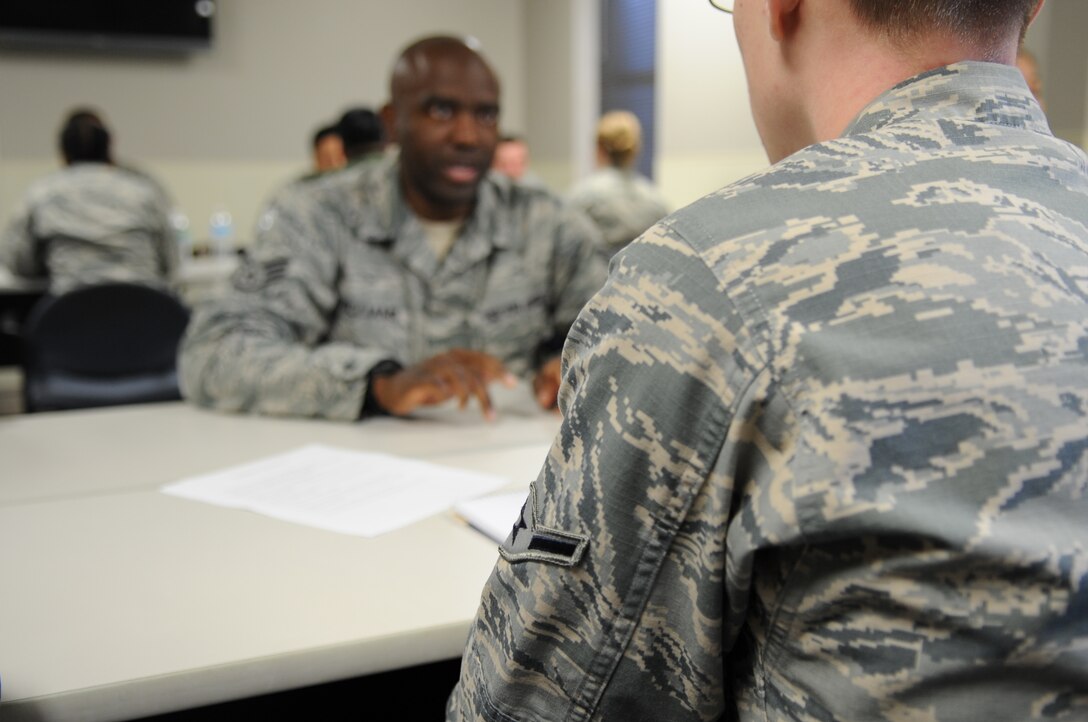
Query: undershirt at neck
440,236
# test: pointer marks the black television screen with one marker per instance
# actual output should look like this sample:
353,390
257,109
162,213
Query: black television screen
125,25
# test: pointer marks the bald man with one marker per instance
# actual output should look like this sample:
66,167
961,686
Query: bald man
405,282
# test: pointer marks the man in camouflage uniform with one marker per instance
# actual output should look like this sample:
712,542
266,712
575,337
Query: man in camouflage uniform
92,221
406,282
825,447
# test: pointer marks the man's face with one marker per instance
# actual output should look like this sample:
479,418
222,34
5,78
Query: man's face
446,122
511,159
329,154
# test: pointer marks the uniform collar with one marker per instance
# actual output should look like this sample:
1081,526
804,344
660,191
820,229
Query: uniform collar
988,93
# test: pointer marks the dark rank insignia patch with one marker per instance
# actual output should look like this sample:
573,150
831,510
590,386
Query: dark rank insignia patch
529,541
253,275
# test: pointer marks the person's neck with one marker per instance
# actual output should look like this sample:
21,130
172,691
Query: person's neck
430,210
831,98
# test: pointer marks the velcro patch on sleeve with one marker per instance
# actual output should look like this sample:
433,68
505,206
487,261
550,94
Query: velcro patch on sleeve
529,541
253,275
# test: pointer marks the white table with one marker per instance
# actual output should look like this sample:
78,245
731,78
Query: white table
81,453
120,601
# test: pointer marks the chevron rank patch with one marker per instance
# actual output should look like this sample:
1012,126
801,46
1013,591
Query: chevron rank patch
529,541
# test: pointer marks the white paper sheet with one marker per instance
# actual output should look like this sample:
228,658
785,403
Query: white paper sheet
350,492
494,516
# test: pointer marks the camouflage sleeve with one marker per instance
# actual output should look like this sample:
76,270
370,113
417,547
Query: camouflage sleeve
609,600
589,204
262,349
163,232
579,271
19,251
270,208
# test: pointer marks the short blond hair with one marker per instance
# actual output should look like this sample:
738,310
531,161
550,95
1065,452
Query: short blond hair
619,135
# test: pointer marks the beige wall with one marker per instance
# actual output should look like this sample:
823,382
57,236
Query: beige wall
706,137
227,126
705,134
1057,39
564,78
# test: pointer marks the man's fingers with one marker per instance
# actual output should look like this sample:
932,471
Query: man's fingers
484,365
485,400
460,374
480,369
547,391
447,380
477,386
546,383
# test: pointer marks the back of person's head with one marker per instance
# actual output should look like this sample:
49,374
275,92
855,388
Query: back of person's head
619,136
84,138
984,22
361,131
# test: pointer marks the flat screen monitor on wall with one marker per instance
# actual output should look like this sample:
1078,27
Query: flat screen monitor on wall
107,25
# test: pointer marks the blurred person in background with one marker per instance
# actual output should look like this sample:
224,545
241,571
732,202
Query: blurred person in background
328,149
362,134
404,282
92,221
512,159
620,201
355,138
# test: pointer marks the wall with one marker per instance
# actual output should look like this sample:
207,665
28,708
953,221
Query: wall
1057,39
564,78
229,125
705,134
706,137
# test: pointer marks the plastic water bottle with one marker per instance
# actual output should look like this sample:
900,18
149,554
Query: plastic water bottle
183,238
221,232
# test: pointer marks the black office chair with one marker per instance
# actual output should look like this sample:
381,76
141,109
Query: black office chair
102,346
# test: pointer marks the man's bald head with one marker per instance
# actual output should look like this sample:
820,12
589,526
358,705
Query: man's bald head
417,62
443,112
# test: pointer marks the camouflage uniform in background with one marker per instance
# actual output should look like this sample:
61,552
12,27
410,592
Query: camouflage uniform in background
92,223
621,203
282,195
825,449
343,278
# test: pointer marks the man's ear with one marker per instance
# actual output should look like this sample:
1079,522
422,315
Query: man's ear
782,16
389,116
1035,13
